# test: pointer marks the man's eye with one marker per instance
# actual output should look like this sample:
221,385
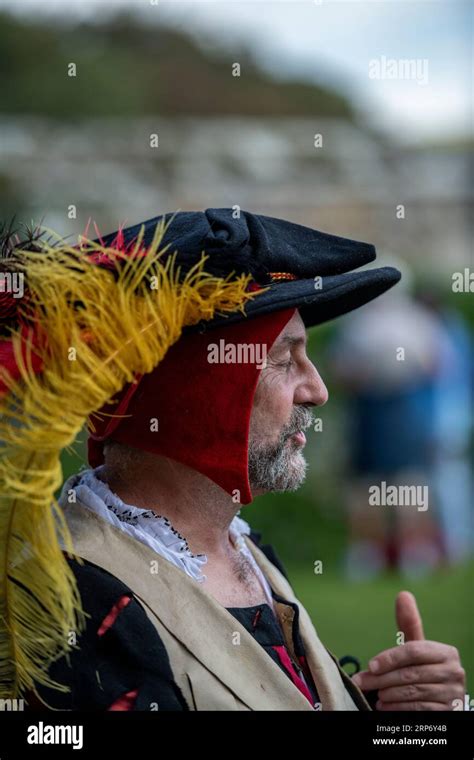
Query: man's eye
287,364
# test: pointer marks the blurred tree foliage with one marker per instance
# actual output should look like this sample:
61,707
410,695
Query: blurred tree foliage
125,67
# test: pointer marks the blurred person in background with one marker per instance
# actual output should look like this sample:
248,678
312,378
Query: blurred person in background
388,360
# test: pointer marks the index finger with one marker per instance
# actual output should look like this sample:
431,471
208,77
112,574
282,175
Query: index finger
411,653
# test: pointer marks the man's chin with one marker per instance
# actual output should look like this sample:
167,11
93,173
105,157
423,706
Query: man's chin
294,476
291,468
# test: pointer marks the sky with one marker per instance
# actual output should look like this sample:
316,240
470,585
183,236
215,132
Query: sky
336,42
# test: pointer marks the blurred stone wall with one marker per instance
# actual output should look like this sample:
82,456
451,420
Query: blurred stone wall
110,170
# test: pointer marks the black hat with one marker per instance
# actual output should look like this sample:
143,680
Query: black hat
302,267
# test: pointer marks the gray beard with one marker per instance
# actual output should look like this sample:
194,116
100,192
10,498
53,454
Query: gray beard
280,467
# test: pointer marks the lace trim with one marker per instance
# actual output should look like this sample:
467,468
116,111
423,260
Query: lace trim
146,525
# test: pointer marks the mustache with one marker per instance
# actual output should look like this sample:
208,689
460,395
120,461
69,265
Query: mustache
301,419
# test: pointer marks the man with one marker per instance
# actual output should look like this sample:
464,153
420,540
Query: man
187,610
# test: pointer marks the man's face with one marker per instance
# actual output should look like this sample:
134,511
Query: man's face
287,386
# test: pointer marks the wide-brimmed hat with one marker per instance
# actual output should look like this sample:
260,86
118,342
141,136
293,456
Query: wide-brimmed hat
299,266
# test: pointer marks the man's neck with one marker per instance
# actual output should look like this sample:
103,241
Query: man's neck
196,507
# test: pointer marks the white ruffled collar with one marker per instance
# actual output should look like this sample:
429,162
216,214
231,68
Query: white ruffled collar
145,525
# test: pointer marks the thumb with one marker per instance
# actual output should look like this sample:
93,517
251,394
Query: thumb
408,617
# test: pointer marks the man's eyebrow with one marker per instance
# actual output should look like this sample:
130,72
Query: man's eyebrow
290,340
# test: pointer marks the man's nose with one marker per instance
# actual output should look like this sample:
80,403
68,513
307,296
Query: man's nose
313,390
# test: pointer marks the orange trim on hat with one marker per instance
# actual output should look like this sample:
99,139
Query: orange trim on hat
283,276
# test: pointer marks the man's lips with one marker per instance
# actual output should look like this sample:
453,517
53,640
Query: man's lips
300,437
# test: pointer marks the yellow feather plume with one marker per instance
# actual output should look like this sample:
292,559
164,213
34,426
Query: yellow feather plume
102,330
